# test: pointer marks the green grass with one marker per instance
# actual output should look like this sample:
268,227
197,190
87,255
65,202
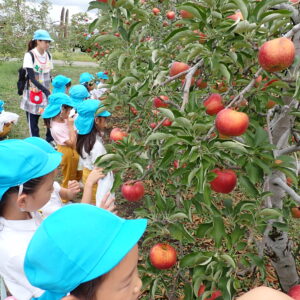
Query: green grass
81,56
8,92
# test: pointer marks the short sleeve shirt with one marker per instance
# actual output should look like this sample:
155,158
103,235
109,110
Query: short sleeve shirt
60,132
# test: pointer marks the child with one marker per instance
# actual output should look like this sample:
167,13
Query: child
7,119
97,254
57,118
90,144
99,92
87,80
264,293
25,188
78,93
61,84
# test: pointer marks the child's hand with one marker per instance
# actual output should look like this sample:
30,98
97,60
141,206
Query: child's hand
69,298
73,188
94,176
108,203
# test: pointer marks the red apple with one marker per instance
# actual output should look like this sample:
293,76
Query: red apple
294,292
213,104
237,16
231,123
270,104
117,134
268,83
159,101
201,290
295,1
276,55
296,214
117,34
133,110
176,164
214,295
201,84
163,256
165,24
153,125
155,11
258,81
170,15
178,67
225,181
186,15
133,191
167,122
202,36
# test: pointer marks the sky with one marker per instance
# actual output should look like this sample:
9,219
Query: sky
74,6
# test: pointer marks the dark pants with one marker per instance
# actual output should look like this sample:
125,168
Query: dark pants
33,124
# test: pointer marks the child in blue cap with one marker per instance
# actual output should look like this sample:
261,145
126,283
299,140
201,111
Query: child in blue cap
25,188
79,93
87,80
38,65
56,116
89,145
98,93
7,119
93,256
61,84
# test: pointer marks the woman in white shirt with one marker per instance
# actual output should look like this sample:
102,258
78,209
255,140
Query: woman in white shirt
38,65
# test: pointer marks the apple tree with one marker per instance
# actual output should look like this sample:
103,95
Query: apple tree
212,114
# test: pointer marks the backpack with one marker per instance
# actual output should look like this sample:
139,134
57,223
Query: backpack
22,78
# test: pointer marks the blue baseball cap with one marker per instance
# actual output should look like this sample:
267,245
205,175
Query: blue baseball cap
42,35
102,75
55,103
78,93
86,115
1,106
91,242
85,77
59,83
42,144
25,161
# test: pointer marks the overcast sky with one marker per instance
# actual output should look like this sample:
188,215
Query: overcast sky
74,6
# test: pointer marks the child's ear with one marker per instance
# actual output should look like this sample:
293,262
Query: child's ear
22,201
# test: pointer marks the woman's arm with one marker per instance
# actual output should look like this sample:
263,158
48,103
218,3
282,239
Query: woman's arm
31,76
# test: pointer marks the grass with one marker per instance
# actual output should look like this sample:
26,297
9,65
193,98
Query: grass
8,92
75,56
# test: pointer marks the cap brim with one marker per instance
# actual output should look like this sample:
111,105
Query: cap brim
84,125
104,114
51,111
127,238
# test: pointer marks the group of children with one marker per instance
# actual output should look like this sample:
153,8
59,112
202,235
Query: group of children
50,250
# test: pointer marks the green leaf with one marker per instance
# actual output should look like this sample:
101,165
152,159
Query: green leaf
229,260
93,25
225,72
270,212
183,122
260,137
194,259
254,172
248,186
139,167
232,145
132,28
242,7
190,9
174,33
157,136
203,229
123,33
121,60
179,232
218,231
167,112
108,38
98,5
192,175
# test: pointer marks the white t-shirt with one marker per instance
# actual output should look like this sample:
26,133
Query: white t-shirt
42,63
15,236
14,239
88,161
98,92
7,117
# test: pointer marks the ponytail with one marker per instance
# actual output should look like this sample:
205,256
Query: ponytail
32,44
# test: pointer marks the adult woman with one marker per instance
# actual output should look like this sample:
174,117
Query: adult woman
38,65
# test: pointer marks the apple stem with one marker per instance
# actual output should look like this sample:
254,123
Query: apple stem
278,181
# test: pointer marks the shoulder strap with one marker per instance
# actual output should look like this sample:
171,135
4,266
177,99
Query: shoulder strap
49,55
32,56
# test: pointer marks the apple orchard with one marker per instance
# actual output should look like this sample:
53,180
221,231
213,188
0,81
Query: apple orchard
207,148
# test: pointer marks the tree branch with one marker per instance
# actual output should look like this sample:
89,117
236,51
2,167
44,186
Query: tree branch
188,80
288,150
287,189
174,77
293,31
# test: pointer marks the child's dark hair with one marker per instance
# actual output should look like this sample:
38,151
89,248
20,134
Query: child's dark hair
29,188
68,84
86,141
87,290
32,44
48,120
